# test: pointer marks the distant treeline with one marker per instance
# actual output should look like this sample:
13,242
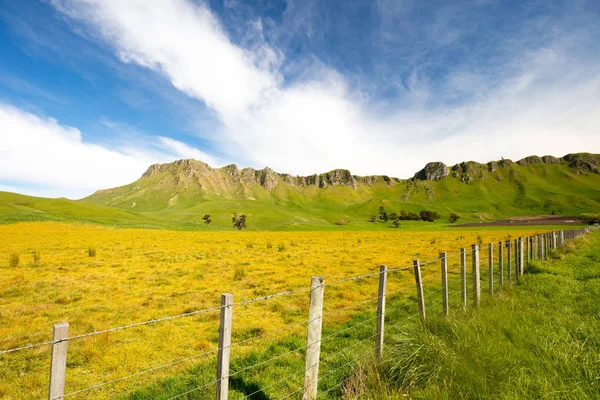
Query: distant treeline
425,215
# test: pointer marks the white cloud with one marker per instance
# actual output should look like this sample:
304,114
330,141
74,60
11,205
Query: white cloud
184,42
182,150
51,159
543,103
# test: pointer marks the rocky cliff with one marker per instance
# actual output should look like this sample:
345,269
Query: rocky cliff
183,184
467,171
198,171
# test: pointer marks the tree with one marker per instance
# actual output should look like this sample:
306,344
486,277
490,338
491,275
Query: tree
383,215
207,219
393,216
396,222
373,218
239,221
429,216
413,217
454,217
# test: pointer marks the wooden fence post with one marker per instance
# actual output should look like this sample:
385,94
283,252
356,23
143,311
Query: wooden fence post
554,237
224,346
500,265
444,284
516,251
521,263
517,258
531,248
420,294
562,238
509,259
58,365
313,340
381,312
476,277
491,268
463,277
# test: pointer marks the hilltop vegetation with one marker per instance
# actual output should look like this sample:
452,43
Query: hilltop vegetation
179,194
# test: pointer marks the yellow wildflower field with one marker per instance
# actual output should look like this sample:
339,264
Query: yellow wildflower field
138,275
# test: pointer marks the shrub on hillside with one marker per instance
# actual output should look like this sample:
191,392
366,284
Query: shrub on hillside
429,216
238,221
383,215
408,216
589,218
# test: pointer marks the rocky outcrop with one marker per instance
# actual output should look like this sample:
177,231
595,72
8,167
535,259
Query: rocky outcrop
538,160
530,160
267,178
337,177
584,162
468,171
492,166
551,160
373,179
433,171
186,167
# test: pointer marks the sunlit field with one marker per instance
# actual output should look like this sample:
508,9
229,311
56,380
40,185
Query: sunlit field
97,278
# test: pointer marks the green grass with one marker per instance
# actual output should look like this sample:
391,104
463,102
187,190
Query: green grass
160,202
538,339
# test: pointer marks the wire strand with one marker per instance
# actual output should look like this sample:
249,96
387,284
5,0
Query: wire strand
140,373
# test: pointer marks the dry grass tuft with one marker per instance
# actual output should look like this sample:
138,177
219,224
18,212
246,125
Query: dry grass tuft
13,260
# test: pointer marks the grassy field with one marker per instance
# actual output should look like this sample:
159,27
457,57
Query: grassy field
138,275
538,339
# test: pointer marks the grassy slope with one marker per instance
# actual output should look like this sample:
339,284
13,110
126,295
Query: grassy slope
18,208
515,190
539,340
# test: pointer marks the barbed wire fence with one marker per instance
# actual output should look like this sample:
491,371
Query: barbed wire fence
334,338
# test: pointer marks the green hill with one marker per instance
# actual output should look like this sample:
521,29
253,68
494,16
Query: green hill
17,207
179,194
187,189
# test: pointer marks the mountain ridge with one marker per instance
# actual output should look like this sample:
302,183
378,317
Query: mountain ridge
497,188
178,194
436,170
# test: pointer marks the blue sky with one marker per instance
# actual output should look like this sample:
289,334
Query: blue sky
94,91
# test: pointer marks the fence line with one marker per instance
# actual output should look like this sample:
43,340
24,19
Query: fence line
525,250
